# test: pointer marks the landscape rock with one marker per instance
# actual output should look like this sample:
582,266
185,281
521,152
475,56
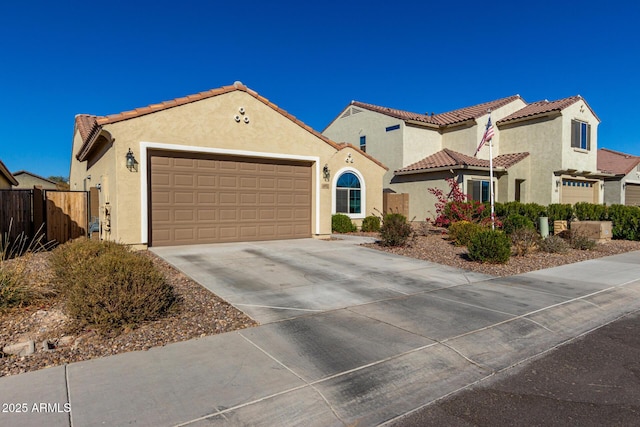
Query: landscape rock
25,348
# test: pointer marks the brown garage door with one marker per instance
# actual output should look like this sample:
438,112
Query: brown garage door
204,199
575,190
632,194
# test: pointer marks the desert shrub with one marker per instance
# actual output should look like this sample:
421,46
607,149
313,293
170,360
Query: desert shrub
524,240
371,223
395,230
559,212
461,232
516,222
553,245
625,222
491,246
578,240
13,290
109,286
590,212
341,223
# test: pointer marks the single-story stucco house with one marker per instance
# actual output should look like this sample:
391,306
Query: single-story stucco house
224,165
29,180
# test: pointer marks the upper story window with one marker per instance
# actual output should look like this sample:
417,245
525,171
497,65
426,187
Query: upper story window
348,198
363,143
390,128
580,135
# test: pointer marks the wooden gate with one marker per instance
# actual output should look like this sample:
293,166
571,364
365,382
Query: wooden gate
67,215
15,214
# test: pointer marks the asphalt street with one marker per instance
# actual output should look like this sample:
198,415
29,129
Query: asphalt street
591,381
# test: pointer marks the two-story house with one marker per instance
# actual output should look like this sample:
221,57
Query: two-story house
543,152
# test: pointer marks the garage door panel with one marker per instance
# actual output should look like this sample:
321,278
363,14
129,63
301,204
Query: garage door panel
249,182
632,194
230,182
228,214
228,199
206,200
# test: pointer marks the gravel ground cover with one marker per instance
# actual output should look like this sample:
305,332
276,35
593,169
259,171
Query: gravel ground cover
200,313
432,244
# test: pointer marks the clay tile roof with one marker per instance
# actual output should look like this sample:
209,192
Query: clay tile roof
393,112
544,107
616,162
5,172
441,119
90,126
449,158
473,112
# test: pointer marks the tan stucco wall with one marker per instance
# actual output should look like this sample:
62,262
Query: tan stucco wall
4,183
575,158
542,139
419,143
382,145
209,124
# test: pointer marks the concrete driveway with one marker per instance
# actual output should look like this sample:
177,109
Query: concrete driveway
349,336
279,280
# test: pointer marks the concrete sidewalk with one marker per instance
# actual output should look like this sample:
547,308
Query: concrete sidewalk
366,362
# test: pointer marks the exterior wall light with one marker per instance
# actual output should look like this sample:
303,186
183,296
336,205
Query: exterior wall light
326,173
132,164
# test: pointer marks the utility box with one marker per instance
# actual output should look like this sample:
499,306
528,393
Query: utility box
559,226
600,231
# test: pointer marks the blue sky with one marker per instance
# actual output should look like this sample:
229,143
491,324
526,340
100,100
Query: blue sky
65,58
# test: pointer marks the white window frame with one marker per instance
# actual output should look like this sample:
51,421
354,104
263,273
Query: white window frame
363,193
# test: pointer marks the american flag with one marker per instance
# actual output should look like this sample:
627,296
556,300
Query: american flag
488,134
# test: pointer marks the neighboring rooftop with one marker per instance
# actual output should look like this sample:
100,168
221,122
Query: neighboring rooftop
615,162
447,158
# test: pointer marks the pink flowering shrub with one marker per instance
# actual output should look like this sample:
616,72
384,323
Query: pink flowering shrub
454,206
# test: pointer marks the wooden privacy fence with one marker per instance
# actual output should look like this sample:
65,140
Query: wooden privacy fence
16,213
67,215
61,215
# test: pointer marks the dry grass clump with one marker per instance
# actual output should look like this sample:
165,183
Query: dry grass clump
107,286
19,285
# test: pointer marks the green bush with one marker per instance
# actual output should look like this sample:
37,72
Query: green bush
461,232
395,230
524,240
625,222
553,245
341,223
590,211
490,246
515,222
371,223
106,286
559,212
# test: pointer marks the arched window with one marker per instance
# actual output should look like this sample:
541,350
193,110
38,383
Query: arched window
348,194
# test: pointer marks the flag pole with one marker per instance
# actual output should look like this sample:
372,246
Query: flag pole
492,197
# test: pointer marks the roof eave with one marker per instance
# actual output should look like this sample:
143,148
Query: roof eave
450,168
